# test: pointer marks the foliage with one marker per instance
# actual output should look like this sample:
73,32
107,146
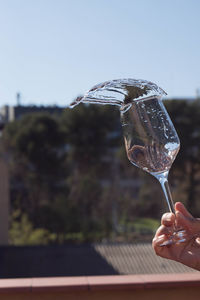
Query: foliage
22,232
90,132
142,226
146,225
35,147
186,116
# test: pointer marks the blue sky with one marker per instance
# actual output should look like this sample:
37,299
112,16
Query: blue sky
54,50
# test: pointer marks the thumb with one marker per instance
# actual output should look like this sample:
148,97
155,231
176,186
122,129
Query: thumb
180,207
189,223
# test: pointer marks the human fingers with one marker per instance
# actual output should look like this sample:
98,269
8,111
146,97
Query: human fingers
163,230
168,219
181,208
157,241
162,242
190,224
185,219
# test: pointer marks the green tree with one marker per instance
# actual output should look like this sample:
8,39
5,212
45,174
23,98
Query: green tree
84,201
36,147
186,116
93,135
90,131
22,231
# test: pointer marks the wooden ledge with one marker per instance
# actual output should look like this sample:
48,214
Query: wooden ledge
95,283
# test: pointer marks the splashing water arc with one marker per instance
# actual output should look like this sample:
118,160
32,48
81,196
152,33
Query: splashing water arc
120,92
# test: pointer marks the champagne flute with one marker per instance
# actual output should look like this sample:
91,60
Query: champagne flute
152,144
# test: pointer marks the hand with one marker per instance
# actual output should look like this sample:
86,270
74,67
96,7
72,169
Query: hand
188,252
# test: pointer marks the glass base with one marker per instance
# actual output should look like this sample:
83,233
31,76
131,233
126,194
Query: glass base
177,237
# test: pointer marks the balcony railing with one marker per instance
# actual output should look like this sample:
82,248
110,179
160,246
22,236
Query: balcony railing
138,287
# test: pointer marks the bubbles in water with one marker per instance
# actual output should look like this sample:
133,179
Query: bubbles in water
120,92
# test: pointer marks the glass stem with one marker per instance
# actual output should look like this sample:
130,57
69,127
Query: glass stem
178,235
163,179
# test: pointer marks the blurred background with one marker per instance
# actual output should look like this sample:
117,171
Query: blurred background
65,177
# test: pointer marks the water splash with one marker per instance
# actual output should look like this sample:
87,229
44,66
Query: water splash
120,92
